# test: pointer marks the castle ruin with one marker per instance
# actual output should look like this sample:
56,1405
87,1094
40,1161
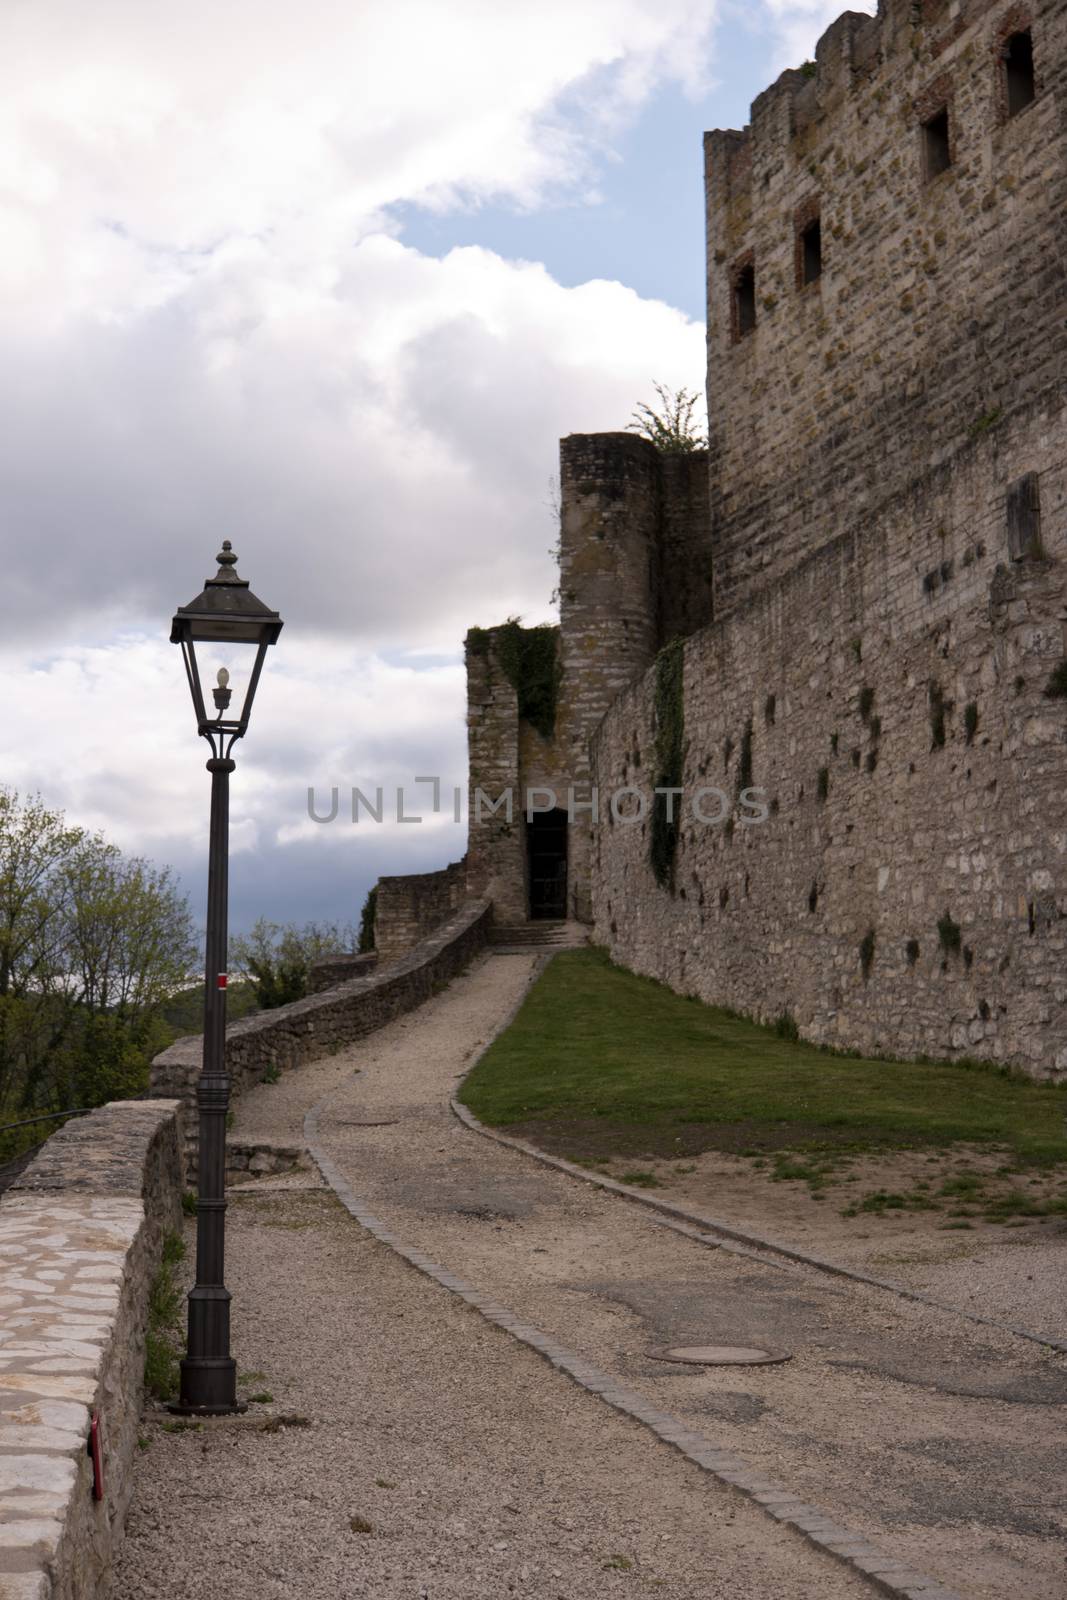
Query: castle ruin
853,603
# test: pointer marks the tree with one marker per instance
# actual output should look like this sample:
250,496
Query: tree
91,945
276,956
366,921
671,429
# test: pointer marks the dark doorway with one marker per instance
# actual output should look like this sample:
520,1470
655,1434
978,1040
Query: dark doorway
546,843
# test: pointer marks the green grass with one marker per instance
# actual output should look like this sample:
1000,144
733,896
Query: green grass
164,1338
601,1060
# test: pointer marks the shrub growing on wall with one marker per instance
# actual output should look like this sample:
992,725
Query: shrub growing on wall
670,756
529,658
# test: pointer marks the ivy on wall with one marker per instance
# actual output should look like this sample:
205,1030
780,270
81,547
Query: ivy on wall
670,756
529,659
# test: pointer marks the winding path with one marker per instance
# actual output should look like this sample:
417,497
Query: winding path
902,1439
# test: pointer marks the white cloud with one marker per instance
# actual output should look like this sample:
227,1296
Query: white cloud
209,327
801,23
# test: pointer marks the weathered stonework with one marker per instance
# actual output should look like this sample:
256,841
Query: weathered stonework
321,1024
80,1238
408,908
868,568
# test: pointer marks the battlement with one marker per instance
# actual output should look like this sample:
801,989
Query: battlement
885,242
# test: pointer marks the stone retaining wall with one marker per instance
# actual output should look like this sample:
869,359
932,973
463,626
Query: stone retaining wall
278,1040
80,1239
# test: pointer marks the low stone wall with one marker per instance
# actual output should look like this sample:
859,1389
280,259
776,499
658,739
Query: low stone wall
410,907
80,1238
332,970
278,1040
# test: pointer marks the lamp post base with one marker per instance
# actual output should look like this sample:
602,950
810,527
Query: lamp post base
208,1388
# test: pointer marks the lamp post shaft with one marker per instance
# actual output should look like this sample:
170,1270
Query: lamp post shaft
208,1372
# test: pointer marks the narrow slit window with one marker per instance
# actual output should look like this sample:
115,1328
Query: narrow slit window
745,300
937,150
811,252
1019,71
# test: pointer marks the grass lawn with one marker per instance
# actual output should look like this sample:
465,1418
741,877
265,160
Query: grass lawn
601,1063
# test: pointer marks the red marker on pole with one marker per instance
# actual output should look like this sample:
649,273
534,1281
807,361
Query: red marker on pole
222,980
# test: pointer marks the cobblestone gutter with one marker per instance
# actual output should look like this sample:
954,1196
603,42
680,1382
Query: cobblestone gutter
80,1239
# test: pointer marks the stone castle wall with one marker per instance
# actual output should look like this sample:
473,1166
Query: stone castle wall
845,668
411,906
940,306
635,570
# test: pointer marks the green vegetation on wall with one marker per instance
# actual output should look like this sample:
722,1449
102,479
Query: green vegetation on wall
529,658
670,756
366,921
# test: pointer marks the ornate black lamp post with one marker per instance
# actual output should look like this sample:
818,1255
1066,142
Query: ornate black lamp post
226,614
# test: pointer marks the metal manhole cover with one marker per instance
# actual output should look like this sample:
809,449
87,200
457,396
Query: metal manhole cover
721,1355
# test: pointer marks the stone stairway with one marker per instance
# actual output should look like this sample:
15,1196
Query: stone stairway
518,937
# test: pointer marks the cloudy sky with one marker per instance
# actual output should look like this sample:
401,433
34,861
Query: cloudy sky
330,281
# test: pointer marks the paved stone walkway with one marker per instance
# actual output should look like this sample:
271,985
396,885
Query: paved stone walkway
937,1439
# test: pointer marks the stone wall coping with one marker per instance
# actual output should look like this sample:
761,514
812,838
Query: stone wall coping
80,1240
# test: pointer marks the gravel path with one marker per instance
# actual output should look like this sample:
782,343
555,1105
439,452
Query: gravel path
428,1454
937,1439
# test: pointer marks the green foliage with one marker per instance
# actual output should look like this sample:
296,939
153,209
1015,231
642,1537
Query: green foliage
277,956
477,641
936,698
1056,687
529,658
785,1026
867,944
164,1340
670,756
602,1058
92,944
949,934
366,921
671,429
970,720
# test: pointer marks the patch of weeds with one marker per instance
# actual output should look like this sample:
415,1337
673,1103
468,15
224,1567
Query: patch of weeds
879,1201
785,1026
384,1483
263,1398
987,420
617,1564
789,1170
272,1075
164,1339
276,1424
251,1377
189,1202
180,1426
641,1180
360,1525
142,1442
685,1168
